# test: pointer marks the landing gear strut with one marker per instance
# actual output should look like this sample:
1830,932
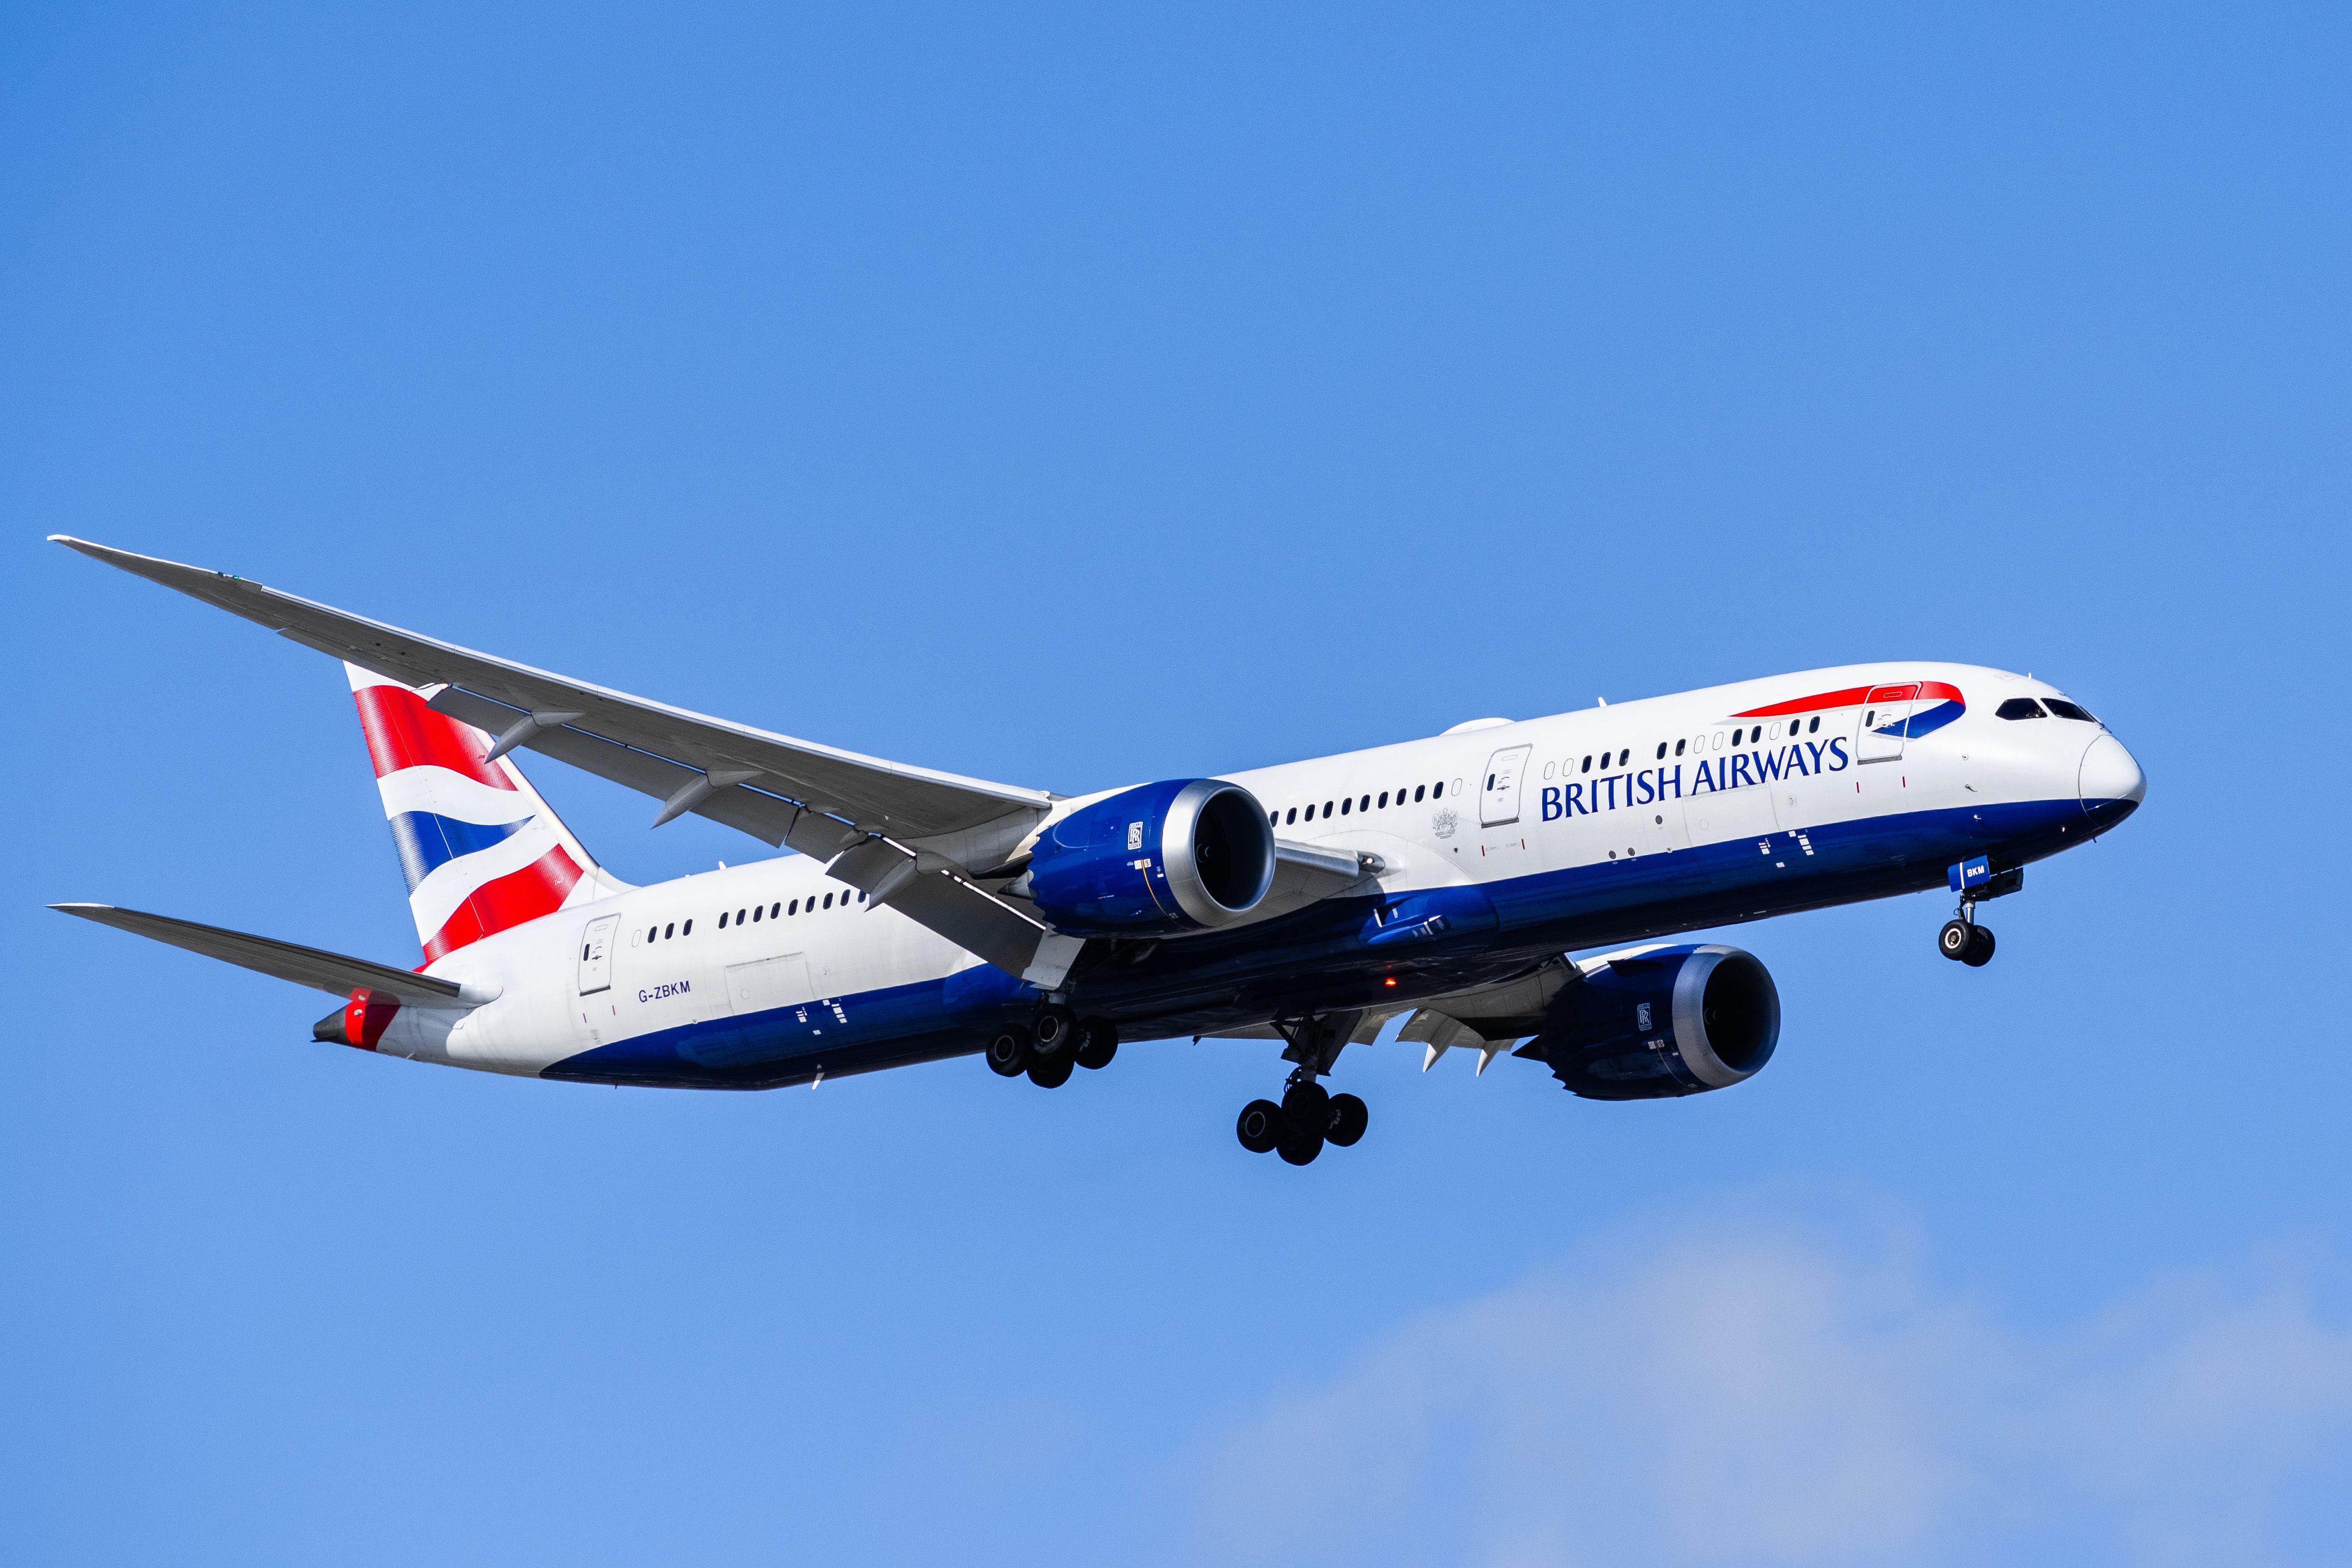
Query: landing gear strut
1309,1115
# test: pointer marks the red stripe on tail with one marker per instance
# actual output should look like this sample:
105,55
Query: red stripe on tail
538,889
403,733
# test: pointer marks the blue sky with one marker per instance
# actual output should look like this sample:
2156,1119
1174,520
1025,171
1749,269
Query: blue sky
1075,399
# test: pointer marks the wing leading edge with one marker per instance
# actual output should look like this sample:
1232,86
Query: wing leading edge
904,835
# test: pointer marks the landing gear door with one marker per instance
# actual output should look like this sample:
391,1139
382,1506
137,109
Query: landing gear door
1498,803
1885,721
596,956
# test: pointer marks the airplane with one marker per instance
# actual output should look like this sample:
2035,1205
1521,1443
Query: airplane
922,915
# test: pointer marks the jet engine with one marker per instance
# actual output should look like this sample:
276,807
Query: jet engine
1184,855
1661,1022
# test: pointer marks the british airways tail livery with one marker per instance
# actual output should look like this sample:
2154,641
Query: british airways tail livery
924,915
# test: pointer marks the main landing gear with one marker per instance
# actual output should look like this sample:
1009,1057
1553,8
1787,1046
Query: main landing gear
1052,1046
1309,1115
1964,940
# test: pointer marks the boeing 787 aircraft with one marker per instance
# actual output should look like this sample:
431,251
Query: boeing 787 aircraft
924,915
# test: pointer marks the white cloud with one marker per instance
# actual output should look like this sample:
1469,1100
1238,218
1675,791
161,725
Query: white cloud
1758,1397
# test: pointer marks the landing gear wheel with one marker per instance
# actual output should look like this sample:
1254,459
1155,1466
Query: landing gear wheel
1349,1116
1053,1027
1980,953
1260,1127
1305,1109
1097,1042
1955,938
1300,1148
1052,1072
1008,1051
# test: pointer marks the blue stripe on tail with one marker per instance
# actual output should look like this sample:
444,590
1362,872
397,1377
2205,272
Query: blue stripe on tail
427,842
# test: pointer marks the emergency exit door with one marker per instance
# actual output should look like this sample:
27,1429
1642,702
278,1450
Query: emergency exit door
1498,803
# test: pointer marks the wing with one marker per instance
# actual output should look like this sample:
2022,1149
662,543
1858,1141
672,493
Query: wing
903,835
331,971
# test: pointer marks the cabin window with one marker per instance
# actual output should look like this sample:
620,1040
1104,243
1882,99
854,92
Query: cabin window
1814,728
793,908
1624,756
670,930
1588,765
722,919
1718,739
1679,749
686,930
1416,793
1384,800
1365,803
1345,806
2020,708
2065,710
1273,817
1662,751
1327,808
1294,815
756,912
828,900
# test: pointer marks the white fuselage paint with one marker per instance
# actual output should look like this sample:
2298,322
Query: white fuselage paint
540,1017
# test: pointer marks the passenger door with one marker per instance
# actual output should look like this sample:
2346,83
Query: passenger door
1885,723
596,954
1498,803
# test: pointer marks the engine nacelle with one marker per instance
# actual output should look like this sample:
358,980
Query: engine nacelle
1663,1022
1180,856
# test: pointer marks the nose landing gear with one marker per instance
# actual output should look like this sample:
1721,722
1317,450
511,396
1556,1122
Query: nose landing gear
1962,939
1966,940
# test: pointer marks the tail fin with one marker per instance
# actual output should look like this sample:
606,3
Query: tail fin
481,851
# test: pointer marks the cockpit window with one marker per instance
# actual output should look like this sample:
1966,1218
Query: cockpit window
2065,710
2020,708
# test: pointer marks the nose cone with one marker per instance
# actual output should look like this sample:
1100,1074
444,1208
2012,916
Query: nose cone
2111,784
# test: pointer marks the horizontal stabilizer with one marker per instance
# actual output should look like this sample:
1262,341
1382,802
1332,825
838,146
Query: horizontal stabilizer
330,971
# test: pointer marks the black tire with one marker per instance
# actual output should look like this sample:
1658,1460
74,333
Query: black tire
1052,1072
1052,1031
1980,953
1307,1108
1349,1117
1300,1148
1260,1127
1008,1051
1097,1042
1954,940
